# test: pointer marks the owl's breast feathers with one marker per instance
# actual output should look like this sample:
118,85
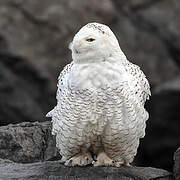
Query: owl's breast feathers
138,83
95,100
93,76
102,82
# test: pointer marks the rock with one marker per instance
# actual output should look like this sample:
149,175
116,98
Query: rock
27,142
25,93
177,164
162,132
55,170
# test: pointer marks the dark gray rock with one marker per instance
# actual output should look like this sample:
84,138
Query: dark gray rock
177,164
27,142
31,142
25,93
54,170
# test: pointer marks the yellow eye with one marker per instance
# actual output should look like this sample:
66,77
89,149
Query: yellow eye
90,40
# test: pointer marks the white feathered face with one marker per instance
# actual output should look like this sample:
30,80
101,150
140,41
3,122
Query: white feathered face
94,42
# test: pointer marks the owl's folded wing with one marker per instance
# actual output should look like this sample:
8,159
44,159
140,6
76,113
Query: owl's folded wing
62,83
139,83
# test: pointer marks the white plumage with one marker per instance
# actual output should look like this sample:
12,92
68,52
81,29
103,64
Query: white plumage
100,102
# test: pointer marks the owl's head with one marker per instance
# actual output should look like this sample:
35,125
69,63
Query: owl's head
93,43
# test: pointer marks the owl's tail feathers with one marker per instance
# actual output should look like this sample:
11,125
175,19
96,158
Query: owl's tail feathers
54,123
50,113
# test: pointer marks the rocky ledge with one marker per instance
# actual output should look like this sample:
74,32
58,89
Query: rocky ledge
27,142
27,151
55,170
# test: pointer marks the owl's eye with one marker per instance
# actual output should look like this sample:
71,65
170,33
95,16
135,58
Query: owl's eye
90,40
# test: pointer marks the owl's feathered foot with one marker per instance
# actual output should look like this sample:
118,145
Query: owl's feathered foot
81,159
103,160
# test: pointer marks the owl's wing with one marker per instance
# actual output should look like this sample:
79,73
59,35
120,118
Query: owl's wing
139,89
62,84
138,82
62,80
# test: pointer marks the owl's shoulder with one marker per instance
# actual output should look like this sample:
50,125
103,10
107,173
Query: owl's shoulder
65,71
62,79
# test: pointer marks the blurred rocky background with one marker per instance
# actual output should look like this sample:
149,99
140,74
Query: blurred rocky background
34,38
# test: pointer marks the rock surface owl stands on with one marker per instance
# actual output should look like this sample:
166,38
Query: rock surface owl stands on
100,102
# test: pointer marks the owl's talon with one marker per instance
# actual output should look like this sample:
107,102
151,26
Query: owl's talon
103,160
82,159
68,163
118,164
95,157
127,164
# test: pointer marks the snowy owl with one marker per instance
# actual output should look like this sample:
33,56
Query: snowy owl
100,115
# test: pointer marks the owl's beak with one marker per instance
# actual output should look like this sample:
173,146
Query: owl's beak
76,46
76,51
